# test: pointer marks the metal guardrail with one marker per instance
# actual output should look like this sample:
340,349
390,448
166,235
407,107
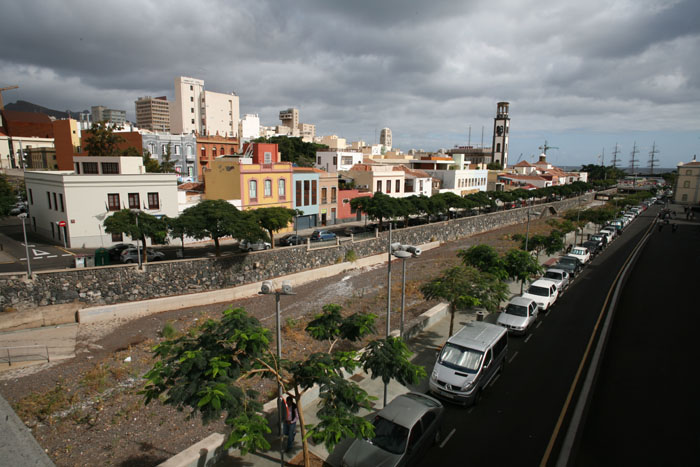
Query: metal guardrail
25,353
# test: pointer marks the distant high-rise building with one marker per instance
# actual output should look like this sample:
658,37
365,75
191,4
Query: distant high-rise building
153,113
249,127
501,128
203,112
385,138
290,119
102,114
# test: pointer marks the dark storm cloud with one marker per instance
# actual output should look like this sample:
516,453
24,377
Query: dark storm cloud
426,69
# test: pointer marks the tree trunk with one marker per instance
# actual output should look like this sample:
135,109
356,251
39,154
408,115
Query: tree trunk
217,251
144,258
302,428
272,238
452,319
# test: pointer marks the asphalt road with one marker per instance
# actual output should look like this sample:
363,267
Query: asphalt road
645,408
517,416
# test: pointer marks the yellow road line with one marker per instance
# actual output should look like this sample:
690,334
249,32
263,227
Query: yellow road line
574,384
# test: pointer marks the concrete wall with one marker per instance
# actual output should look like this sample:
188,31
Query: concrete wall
125,283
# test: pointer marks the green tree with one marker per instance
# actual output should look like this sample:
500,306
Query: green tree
521,266
150,163
485,258
294,149
167,165
101,140
137,225
216,218
464,287
203,372
494,166
378,207
8,198
274,219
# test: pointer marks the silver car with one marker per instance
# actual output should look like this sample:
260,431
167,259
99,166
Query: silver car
130,255
403,432
518,315
258,245
558,276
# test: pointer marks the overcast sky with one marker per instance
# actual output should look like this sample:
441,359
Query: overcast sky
582,74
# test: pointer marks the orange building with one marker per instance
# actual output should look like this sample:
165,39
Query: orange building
211,147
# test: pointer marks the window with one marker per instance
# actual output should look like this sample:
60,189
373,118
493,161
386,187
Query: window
346,160
60,198
281,188
31,197
498,147
253,190
191,97
192,89
153,201
134,201
689,172
686,184
335,160
268,187
77,168
684,197
55,203
267,158
90,168
113,201
192,111
314,193
48,198
221,151
307,191
379,185
177,149
324,195
388,186
110,168
319,160
193,121
398,186
488,358
333,194
204,152
190,151
117,237
420,185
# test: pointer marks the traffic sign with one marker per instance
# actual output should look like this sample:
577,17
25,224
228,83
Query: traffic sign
61,223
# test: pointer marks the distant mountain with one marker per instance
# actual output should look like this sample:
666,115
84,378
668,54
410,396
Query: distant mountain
24,106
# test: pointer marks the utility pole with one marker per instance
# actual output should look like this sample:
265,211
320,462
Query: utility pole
652,158
6,88
602,161
469,138
615,160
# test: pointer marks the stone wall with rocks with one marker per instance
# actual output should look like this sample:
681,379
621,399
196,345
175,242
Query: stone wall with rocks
123,283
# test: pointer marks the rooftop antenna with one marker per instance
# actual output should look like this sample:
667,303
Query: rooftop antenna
652,158
545,147
482,136
615,160
602,161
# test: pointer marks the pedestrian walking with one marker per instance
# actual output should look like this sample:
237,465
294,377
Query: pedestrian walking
290,421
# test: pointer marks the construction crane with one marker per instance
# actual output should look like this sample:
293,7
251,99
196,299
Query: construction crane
6,88
545,147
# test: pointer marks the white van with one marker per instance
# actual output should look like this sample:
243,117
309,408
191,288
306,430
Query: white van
469,361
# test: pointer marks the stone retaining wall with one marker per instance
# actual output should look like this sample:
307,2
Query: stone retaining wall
123,283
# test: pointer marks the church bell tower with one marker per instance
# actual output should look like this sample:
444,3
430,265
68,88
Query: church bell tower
501,128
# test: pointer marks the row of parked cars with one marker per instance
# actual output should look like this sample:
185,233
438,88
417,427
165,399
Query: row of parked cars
469,361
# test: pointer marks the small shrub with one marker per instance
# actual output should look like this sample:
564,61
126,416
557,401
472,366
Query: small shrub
350,256
292,323
168,331
96,379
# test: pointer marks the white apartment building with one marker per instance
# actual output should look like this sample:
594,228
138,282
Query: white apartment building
336,161
196,110
385,138
461,182
416,182
332,141
379,178
249,127
83,198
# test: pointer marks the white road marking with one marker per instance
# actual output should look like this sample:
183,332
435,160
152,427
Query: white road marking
52,256
528,337
67,255
513,357
447,438
40,252
495,378
539,323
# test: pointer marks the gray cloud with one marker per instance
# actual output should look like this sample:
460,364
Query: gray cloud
428,70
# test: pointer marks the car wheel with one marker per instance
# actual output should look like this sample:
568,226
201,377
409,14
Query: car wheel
129,261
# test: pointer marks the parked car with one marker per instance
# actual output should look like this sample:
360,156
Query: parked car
403,431
559,276
19,208
582,253
292,239
130,255
257,245
602,239
519,314
543,292
569,264
354,230
609,232
594,247
469,361
115,251
322,235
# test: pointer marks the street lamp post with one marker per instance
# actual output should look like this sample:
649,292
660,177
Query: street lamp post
388,300
138,249
26,247
403,255
268,288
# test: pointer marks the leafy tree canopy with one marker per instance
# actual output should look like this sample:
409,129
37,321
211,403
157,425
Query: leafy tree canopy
273,219
485,258
137,224
295,150
101,140
8,198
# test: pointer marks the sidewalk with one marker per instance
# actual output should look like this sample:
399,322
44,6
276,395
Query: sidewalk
424,346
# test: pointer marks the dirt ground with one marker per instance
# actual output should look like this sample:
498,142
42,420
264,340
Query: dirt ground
87,410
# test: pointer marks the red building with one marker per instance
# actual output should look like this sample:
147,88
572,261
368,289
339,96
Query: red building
211,147
28,124
345,212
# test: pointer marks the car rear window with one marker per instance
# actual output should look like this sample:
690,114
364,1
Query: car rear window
516,310
536,290
553,275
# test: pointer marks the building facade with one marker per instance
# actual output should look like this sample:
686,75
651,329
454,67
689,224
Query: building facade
183,149
114,117
337,161
687,190
211,147
306,185
71,206
461,182
203,112
153,113
328,202
385,138
378,178
249,127
501,130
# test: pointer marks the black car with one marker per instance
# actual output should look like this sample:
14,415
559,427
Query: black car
115,251
354,230
593,246
292,239
569,264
